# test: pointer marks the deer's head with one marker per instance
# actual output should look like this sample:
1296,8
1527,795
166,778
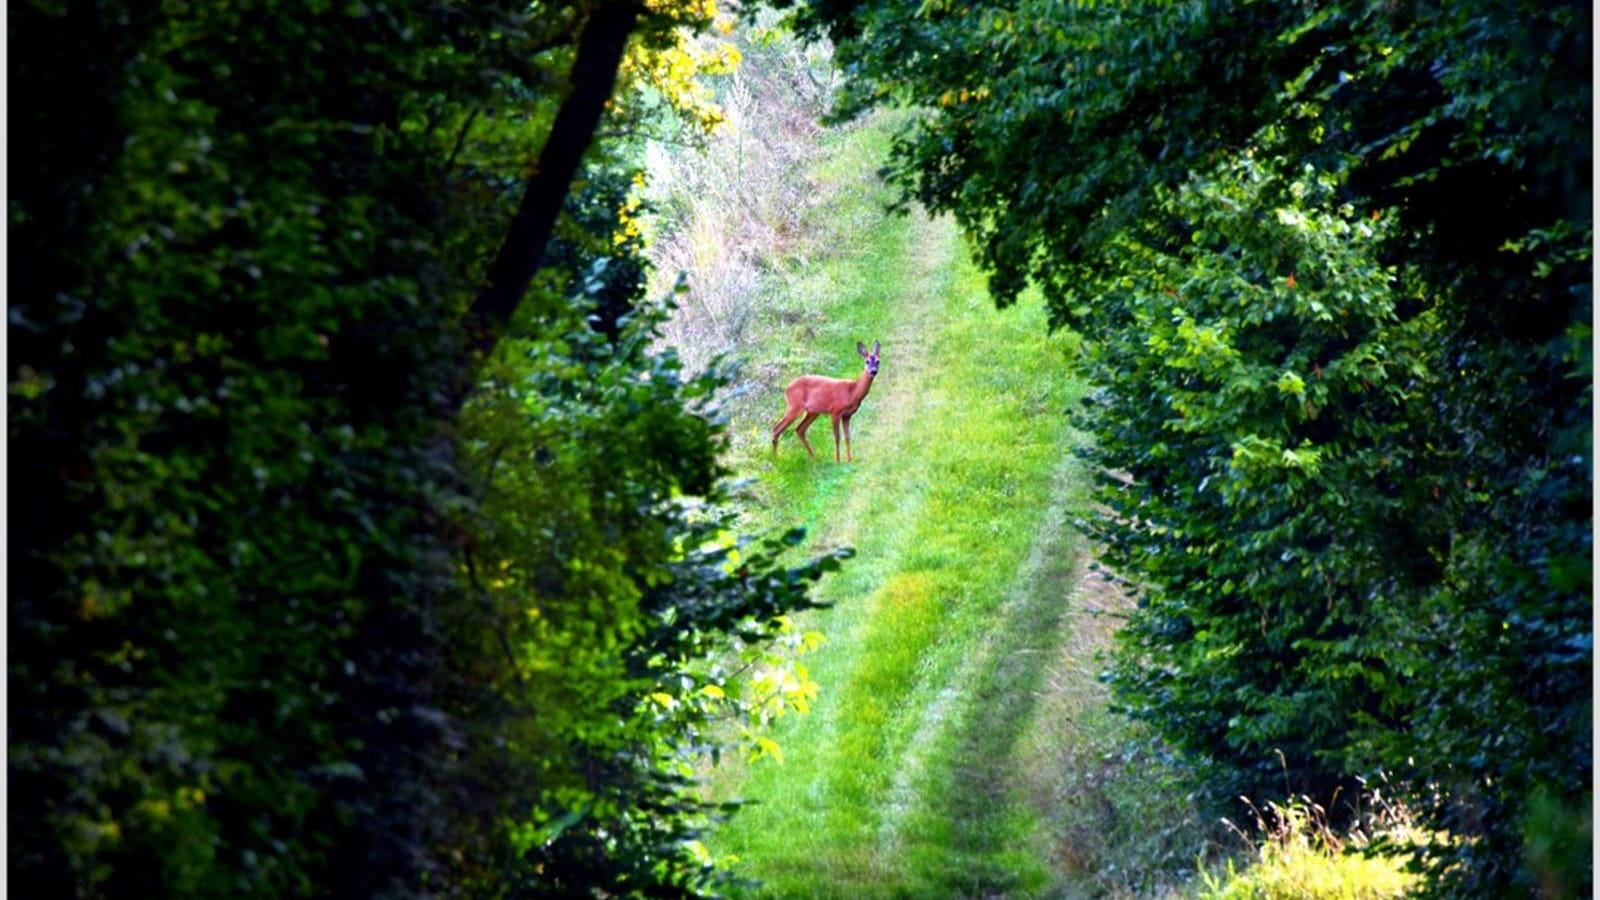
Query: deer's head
871,358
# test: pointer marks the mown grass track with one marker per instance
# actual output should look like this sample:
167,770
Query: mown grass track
908,778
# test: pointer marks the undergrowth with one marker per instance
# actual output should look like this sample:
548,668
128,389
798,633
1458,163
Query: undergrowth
733,208
1293,854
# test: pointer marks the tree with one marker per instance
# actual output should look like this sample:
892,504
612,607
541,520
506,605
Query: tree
1333,264
270,425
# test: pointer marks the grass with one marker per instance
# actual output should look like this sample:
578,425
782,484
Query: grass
961,745
901,782
1299,857
1297,871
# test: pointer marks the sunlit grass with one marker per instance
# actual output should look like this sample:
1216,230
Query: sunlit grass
1297,857
899,782
1300,872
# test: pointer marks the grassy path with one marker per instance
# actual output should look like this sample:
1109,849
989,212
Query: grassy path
909,777
961,745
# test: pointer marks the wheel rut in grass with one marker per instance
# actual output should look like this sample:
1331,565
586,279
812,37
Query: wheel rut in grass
995,848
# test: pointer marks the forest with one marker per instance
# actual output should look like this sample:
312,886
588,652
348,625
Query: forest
396,507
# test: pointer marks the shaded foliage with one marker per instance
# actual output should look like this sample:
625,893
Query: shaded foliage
285,619
225,336
1333,261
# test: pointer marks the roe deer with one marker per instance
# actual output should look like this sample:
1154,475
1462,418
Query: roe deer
813,395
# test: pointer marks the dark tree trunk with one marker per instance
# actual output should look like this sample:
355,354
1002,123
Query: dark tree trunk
594,74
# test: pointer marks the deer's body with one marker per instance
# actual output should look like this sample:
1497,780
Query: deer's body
811,396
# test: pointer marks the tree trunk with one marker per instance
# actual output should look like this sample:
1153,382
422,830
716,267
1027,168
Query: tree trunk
594,75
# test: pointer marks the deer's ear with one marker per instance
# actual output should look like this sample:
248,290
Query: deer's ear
861,348
874,348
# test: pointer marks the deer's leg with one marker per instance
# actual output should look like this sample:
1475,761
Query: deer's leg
847,454
777,430
800,432
835,437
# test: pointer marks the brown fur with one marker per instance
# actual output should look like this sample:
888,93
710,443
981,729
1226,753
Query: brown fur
813,395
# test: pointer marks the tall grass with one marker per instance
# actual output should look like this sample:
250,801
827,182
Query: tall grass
1292,854
735,206
919,771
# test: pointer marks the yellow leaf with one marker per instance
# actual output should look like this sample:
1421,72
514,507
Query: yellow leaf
766,746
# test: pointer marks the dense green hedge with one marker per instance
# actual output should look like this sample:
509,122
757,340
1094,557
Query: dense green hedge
1333,265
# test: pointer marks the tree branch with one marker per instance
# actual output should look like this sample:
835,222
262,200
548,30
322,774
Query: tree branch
461,140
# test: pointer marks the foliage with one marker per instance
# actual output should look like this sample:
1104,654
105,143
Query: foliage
226,331
1274,374
611,582
284,620
1333,264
